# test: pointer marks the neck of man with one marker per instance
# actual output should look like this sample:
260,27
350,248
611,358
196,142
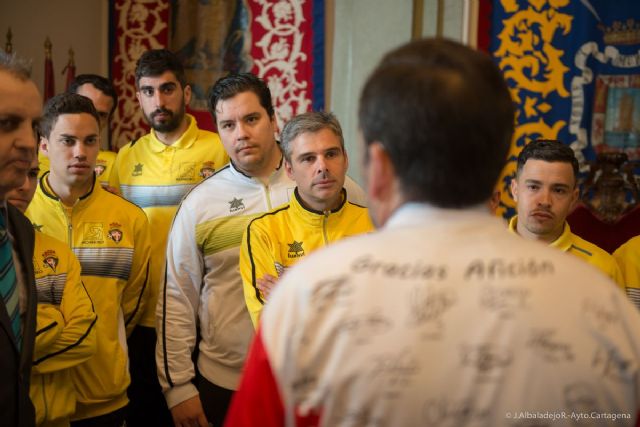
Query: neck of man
68,194
272,160
546,238
324,206
168,138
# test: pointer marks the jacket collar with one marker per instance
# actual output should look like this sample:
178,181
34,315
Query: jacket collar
279,171
311,216
48,191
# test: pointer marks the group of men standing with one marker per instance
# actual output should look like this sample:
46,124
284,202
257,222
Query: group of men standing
149,314
122,243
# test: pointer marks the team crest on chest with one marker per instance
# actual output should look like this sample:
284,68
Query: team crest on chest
50,260
137,169
37,227
295,250
208,169
115,232
236,205
101,166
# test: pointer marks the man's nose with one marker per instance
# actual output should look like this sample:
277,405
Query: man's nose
544,198
241,130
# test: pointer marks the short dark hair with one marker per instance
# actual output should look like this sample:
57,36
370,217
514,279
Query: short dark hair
235,83
155,62
444,115
101,83
15,65
548,150
65,103
310,122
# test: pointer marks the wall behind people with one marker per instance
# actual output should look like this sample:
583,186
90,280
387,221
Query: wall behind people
79,24
365,29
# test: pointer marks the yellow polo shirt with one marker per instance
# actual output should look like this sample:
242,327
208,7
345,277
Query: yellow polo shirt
155,177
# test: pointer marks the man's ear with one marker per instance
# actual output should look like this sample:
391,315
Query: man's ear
514,188
346,158
44,146
380,173
575,197
187,95
138,98
289,169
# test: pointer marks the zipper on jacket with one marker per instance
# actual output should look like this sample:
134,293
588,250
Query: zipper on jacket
67,217
325,220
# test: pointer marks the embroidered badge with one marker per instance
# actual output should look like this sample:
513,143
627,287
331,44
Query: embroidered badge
50,259
137,170
236,205
295,250
100,168
208,169
115,232
187,172
92,233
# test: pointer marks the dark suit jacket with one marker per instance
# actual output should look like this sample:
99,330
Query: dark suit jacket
15,366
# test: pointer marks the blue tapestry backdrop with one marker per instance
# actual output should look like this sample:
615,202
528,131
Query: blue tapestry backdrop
573,68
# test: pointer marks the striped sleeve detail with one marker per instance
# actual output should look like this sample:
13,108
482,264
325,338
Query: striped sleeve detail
222,233
579,249
69,347
50,288
634,296
105,262
147,196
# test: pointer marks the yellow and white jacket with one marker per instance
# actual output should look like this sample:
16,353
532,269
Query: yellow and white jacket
155,177
110,237
570,243
275,241
203,288
65,334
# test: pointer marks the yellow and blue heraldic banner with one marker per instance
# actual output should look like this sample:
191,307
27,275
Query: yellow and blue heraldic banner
573,68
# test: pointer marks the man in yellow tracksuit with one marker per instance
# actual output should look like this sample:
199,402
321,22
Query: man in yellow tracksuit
65,331
110,237
317,215
155,172
545,190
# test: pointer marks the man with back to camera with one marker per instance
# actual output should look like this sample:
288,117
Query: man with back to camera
545,190
105,99
110,237
203,287
440,317
317,215
65,332
20,108
155,172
